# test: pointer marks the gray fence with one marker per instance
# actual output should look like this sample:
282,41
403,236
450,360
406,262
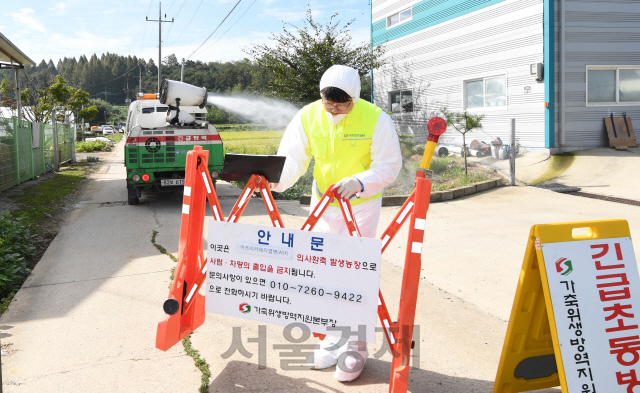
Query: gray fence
27,150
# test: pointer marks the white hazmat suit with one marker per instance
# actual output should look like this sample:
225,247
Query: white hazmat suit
385,166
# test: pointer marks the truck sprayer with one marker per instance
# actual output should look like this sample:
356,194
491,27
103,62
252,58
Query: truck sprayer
161,128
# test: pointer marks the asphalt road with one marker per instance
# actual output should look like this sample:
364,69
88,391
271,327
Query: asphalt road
85,320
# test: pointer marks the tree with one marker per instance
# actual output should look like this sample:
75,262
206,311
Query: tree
105,111
66,99
293,65
6,94
463,122
89,113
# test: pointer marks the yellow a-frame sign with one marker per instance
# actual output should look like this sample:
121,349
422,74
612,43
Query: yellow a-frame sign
573,319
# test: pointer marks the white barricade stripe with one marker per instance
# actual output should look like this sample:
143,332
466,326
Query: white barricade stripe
420,224
404,213
277,224
193,290
346,211
204,268
385,240
388,329
416,248
307,227
379,302
244,197
187,191
206,183
354,233
215,212
233,218
324,202
266,198
185,209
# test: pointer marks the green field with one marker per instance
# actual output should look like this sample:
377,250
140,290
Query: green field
251,142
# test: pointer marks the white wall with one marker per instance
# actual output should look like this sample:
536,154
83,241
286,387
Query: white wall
504,38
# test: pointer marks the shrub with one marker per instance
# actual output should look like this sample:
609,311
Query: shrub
89,147
15,249
115,137
440,164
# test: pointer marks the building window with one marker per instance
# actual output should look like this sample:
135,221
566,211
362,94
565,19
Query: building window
401,101
399,17
613,85
486,92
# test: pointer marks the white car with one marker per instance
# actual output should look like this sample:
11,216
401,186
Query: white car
108,130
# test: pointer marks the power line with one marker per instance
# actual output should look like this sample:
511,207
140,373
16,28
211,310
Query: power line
234,23
171,5
185,29
145,26
175,16
216,29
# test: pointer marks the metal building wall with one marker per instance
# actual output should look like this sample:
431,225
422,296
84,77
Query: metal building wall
465,39
596,33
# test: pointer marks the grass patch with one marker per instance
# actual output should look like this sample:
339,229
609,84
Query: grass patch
200,363
251,142
47,198
241,127
186,342
116,137
90,146
4,303
448,171
266,143
165,252
162,249
16,253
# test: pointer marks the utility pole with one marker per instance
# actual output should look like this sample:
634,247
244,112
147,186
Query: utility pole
127,100
182,71
159,40
140,78
105,95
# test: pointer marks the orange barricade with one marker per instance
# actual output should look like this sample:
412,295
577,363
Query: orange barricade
185,307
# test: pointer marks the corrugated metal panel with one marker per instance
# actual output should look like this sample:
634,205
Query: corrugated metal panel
503,39
492,14
597,32
426,14
390,9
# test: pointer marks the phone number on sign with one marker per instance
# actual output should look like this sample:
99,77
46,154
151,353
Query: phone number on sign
318,291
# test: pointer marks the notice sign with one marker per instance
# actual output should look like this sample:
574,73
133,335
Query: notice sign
283,276
595,293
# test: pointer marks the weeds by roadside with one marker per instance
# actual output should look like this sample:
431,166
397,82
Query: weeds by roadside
16,255
449,173
200,363
186,342
90,146
25,233
43,200
115,137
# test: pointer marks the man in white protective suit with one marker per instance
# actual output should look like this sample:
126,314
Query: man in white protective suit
355,146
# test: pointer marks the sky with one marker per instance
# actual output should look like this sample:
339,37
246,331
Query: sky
70,28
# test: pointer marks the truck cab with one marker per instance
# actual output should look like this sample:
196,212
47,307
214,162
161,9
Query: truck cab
158,138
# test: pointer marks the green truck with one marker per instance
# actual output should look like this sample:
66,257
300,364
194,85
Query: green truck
160,130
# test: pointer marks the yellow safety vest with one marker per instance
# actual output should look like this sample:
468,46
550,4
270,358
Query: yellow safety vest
340,150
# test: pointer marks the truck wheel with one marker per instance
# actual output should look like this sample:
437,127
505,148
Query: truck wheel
133,201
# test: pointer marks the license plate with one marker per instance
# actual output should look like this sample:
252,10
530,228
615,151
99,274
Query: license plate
172,182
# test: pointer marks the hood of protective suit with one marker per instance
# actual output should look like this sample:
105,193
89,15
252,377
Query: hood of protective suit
342,77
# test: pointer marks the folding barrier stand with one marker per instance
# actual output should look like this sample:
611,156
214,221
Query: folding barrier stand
185,307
